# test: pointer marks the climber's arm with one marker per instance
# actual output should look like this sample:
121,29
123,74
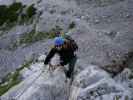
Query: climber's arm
49,56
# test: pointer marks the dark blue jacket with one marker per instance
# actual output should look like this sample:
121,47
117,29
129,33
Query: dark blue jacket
66,54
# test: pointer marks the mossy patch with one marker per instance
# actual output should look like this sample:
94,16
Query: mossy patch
13,78
72,25
10,14
31,11
32,37
25,65
3,10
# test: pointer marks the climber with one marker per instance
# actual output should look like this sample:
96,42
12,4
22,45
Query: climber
66,52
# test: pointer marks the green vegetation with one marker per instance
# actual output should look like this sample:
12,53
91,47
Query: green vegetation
15,7
53,31
56,29
33,36
25,65
126,98
116,97
3,10
9,14
13,79
72,25
30,11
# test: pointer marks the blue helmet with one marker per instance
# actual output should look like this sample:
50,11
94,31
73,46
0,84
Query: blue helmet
58,41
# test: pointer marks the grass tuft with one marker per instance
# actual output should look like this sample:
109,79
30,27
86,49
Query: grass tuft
13,78
72,25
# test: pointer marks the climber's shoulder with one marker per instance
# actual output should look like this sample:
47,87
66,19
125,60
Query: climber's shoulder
53,48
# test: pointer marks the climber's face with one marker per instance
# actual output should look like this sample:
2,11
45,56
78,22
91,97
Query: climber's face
58,47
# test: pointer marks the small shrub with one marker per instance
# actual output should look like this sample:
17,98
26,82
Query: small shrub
126,97
53,31
40,36
27,38
51,35
3,17
72,25
15,7
31,11
12,18
33,37
10,14
56,29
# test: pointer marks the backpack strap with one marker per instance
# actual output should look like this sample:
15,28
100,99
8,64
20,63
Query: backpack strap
71,42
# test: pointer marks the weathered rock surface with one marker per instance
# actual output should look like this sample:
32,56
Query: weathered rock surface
90,84
95,84
103,32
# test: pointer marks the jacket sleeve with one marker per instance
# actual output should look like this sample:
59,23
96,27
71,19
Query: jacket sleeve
62,63
49,56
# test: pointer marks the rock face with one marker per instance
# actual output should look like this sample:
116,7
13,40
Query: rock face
90,84
95,84
40,84
103,31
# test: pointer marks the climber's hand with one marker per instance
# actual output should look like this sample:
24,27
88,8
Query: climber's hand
58,65
53,67
50,65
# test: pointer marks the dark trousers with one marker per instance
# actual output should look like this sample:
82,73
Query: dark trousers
71,66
